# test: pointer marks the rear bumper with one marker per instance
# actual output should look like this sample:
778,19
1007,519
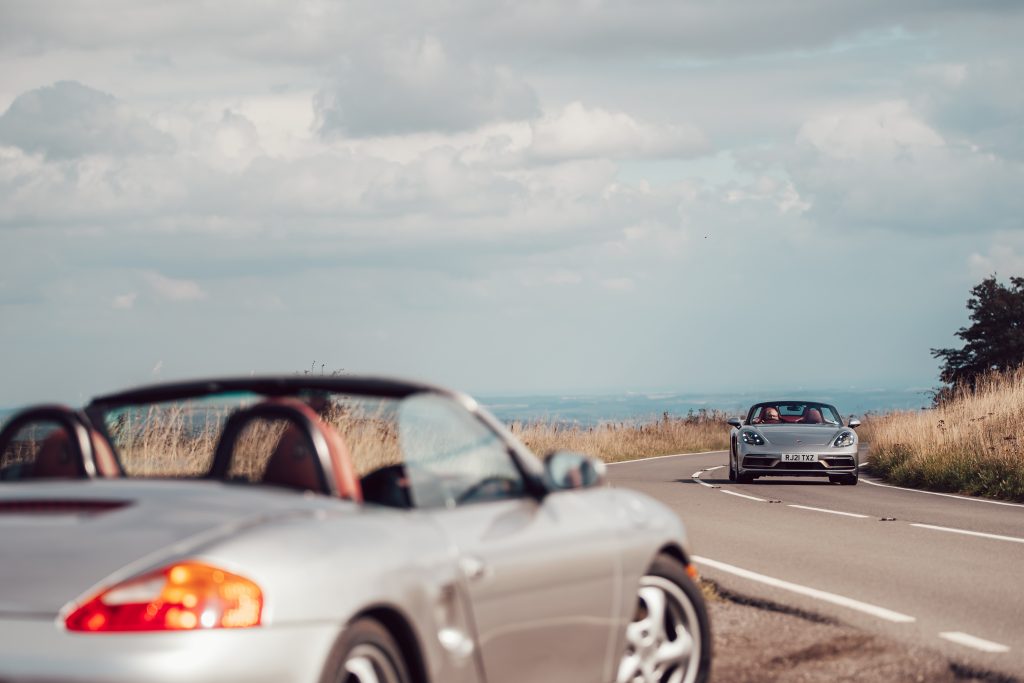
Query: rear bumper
38,650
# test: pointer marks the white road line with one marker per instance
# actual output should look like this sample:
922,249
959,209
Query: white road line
743,495
696,476
831,512
842,601
973,641
944,495
996,537
659,457
697,479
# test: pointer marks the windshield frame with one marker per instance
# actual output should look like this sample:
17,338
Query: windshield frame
824,408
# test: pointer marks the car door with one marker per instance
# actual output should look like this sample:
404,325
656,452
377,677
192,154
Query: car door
541,574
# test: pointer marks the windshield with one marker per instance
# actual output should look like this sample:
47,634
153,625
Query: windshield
422,450
790,412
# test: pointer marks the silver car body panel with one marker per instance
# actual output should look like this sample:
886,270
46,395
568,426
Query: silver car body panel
321,562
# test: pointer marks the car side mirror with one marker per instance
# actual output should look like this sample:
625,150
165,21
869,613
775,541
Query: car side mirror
565,470
735,422
853,423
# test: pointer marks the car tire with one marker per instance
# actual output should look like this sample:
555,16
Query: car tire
732,467
676,646
366,653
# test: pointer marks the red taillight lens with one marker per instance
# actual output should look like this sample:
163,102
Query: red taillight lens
180,597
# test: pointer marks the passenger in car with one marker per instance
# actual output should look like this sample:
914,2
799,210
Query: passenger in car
812,416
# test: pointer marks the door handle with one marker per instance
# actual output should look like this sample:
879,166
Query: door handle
473,568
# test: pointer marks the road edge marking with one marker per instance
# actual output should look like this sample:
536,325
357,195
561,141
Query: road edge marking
659,457
831,512
824,596
743,495
975,642
944,495
696,476
980,534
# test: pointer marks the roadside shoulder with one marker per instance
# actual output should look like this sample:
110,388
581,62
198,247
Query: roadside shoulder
759,640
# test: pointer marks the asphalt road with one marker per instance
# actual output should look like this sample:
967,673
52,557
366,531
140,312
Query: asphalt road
945,572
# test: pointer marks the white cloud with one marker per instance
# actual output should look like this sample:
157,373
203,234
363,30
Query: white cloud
780,193
1006,259
229,144
317,30
415,85
577,132
974,103
172,289
886,128
619,284
481,166
68,120
125,301
883,167
564,277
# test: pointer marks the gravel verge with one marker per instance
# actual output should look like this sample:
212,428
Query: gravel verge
756,641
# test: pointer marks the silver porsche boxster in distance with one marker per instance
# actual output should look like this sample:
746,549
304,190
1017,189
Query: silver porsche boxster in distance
328,530
793,439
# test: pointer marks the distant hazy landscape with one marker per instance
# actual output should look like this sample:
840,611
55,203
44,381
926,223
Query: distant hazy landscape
587,410
595,409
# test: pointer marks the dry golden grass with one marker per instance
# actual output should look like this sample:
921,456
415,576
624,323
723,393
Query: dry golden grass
165,441
615,442
972,444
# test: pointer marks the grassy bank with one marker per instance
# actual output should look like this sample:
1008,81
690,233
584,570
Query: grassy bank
614,442
972,444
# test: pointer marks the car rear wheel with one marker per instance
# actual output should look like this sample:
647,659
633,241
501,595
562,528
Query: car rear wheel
366,653
669,639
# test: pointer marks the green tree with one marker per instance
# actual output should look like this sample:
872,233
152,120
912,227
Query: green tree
995,339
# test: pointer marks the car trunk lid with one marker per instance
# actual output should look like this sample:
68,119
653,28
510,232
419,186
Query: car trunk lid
61,539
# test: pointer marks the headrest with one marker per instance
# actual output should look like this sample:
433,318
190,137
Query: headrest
310,454
72,450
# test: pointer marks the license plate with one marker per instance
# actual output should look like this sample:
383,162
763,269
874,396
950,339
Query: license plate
799,457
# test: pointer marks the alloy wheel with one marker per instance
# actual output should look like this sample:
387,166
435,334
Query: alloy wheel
663,643
367,663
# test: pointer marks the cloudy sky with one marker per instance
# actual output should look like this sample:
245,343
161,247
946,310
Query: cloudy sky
503,196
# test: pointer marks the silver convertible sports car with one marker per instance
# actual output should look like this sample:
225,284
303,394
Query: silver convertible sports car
327,530
793,439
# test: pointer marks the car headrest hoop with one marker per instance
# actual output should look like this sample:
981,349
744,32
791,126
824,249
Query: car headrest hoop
75,426
330,457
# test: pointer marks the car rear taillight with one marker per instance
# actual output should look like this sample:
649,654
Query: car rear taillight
181,597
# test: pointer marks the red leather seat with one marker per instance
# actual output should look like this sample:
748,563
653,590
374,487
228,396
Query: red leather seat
56,459
295,462
813,416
